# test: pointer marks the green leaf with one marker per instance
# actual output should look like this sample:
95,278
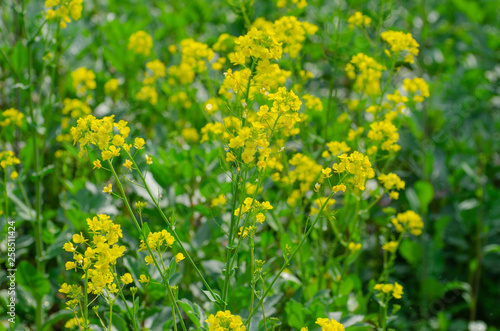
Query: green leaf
145,230
493,248
193,311
425,194
346,286
411,251
32,280
295,314
25,212
171,269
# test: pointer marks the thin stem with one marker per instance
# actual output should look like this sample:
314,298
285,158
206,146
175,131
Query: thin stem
169,224
289,259
85,301
146,242
130,314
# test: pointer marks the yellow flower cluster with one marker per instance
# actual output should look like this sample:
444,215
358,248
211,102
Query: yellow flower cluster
417,85
190,135
359,20
354,247
386,133
408,220
140,43
395,98
305,173
11,116
156,241
73,108
63,10
156,70
292,34
401,43
395,289
224,43
225,321
329,325
312,102
8,159
257,44
147,93
356,164
253,206
83,79
391,246
391,183
99,132
194,56
219,201
99,256
366,72
212,105
111,86
284,101
335,148
74,323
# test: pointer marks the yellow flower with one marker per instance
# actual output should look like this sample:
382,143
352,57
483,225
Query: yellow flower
70,265
79,238
126,278
149,259
68,247
225,321
408,220
230,157
398,291
139,143
179,257
338,188
329,325
14,175
148,93
243,232
128,164
326,172
144,279
141,43
111,86
11,116
97,164
266,205
354,247
401,42
260,218
108,189
83,79
359,20
149,159
391,246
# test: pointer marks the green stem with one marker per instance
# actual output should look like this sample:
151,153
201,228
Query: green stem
146,242
85,301
252,270
130,314
169,224
253,311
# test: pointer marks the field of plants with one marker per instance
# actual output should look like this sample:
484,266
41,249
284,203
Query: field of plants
250,165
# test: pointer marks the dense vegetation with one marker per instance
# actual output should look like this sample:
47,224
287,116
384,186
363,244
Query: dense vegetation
250,165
